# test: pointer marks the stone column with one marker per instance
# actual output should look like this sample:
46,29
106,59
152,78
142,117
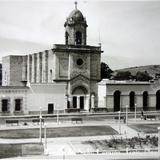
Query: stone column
33,71
46,65
40,67
11,105
92,101
86,107
35,68
29,68
24,68
78,102
71,101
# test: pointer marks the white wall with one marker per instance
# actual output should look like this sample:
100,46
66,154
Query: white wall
40,95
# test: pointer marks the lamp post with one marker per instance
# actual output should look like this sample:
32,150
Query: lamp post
119,122
40,127
126,114
45,136
158,141
63,150
135,110
57,116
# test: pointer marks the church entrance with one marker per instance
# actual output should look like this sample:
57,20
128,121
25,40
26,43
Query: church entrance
80,100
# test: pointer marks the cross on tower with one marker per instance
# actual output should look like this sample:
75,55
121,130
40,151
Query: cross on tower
75,4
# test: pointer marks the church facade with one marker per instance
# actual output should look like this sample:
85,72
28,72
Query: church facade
64,77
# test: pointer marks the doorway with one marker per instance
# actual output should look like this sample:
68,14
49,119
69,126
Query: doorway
117,101
74,102
50,108
82,102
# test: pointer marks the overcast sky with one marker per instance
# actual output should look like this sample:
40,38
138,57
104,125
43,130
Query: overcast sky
128,30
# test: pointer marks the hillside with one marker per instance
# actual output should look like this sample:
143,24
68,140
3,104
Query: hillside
151,69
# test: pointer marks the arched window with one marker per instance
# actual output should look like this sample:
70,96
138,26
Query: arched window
78,37
66,35
117,100
145,100
132,101
158,100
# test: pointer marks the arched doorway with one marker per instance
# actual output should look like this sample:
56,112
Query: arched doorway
158,100
145,100
117,101
78,100
132,101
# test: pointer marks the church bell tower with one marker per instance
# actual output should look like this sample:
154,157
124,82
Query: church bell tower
75,28
78,64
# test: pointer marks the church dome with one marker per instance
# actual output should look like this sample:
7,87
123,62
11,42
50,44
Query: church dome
76,15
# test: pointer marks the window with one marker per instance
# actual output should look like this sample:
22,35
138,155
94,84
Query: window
79,62
78,37
4,105
66,34
18,104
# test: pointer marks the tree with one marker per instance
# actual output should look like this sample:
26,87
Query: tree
123,75
143,76
105,71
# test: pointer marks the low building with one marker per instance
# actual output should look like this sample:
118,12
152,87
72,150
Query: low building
117,95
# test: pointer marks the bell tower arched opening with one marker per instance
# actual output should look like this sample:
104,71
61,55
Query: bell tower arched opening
78,38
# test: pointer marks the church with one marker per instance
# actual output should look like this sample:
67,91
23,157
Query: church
63,78
67,78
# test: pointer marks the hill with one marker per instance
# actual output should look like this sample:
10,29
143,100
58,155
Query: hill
151,69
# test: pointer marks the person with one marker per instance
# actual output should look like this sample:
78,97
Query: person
142,114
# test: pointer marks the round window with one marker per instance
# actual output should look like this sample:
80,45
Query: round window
79,61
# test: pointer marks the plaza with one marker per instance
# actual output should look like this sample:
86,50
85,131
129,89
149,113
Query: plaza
70,139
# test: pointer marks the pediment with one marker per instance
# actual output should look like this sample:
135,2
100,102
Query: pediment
80,78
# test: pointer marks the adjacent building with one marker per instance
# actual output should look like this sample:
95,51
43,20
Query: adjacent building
117,95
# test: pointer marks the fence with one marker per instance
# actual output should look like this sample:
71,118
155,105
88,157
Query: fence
123,151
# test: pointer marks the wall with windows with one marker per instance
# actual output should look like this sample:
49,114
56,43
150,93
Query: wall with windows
13,100
140,95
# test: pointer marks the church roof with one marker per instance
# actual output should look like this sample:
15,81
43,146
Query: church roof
76,15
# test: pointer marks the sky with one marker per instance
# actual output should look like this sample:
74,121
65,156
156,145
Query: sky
129,31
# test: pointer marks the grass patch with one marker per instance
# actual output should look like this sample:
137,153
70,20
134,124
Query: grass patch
146,128
59,132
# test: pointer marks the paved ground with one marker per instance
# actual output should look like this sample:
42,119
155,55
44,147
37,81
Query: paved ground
65,148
